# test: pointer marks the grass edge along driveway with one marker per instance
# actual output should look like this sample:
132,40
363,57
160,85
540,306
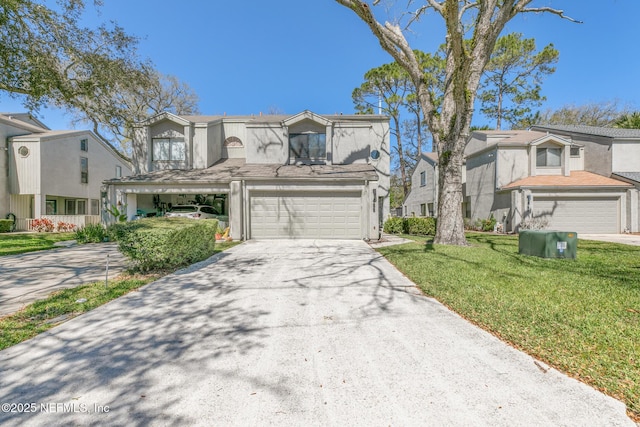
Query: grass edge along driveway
66,304
580,316
19,243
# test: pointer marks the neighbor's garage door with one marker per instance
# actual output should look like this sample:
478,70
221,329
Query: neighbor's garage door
306,215
579,215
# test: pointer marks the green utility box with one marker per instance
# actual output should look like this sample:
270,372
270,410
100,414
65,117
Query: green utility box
548,244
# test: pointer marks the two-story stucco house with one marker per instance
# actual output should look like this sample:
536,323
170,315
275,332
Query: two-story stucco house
565,179
274,176
50,173
422,199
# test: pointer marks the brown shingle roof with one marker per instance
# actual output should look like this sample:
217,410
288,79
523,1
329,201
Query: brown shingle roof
228,170
576,179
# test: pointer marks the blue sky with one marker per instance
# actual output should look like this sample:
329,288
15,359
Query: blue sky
249,56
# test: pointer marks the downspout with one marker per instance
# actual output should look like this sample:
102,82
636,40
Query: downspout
244,205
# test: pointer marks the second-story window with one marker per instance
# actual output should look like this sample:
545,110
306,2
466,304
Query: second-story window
84,145
307,145
118,171
84,170
169,149
423,179
548,157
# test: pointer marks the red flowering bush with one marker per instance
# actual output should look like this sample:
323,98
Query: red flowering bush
65,227
42,225
45,225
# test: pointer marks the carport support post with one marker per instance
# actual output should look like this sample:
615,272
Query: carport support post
132,205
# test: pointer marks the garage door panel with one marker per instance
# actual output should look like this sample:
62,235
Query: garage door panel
305,215
582,215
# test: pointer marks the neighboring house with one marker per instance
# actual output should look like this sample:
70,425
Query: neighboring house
274,176
609,152
549,178
422,199
55,174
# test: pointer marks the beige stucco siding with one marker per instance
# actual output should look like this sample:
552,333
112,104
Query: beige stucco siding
512,165
625,156
353,144
6,131
25,174
481,180
200,152
266,144
61,166
597,155
233,140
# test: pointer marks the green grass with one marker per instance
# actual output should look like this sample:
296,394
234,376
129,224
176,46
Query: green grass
581,316
37,317
18,243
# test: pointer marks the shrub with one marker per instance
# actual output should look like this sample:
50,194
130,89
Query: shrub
166,243
117,230
91,233
488,224
5,225
394,225
534,224
421,226
415,225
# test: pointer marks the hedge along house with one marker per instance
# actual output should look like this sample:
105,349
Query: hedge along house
274,176
56,174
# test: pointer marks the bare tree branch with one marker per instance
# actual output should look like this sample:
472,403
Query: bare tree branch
558,12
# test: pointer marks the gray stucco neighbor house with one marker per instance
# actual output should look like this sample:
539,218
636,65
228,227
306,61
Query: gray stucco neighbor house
422,199
572,178
275,176
54,174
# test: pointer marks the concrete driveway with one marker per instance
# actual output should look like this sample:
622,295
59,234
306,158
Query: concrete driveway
28,277
625,239
286,333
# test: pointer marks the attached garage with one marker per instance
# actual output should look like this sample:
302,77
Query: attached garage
582,215
326,215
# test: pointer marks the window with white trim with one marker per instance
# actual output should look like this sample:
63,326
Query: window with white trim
84,170
548,157
308,146
169,149
84,145
423,178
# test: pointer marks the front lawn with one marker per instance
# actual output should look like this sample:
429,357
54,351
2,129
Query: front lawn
581,316
18,243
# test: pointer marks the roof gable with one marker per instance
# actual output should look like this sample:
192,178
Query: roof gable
165,115
550,138
306,115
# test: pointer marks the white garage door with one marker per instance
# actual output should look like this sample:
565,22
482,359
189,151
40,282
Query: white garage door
580,215
306,215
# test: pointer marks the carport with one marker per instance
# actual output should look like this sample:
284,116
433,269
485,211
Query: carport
268,200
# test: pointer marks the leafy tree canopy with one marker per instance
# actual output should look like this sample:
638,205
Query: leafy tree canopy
512,79
49,58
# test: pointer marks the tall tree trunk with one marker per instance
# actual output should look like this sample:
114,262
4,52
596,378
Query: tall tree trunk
450,228
419,130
